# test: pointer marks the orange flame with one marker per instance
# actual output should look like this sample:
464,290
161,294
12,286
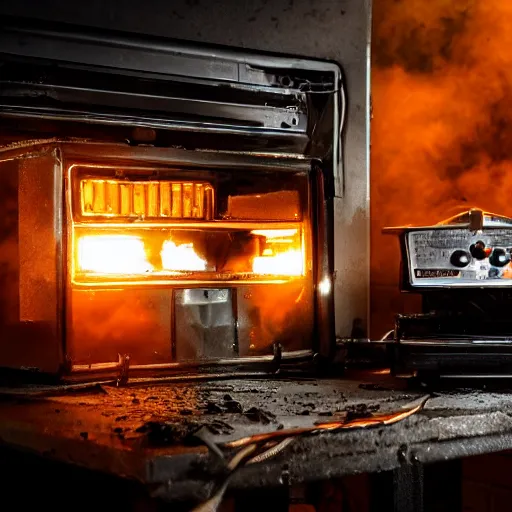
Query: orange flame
112,254
126,255
181,257
280,256
288,263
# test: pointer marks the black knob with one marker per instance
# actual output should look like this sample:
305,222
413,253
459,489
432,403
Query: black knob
460,259
478,250
499,258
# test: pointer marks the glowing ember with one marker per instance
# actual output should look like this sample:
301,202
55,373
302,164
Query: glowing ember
287,263
112,254
181,257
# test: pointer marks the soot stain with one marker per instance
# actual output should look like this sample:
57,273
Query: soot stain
415,46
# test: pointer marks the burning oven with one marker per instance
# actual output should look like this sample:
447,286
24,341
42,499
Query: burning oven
163,206
462,268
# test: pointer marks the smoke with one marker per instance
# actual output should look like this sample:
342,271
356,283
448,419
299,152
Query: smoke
442,122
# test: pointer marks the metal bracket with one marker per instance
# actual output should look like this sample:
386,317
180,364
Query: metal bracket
278,357
476,220
124,363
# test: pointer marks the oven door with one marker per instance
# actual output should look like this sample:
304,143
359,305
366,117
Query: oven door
180,258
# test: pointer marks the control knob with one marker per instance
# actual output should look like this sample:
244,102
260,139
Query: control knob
460,259
499,258
478,251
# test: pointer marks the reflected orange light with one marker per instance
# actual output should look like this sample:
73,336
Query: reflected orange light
181,257
274,233
289,263
112,254
280,254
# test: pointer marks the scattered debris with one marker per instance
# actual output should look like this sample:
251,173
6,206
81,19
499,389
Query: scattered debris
232,406
373,386
259,416
160,434
220,428
213,408
360,411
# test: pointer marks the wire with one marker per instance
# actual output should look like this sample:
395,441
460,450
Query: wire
378,419
248,445
387,335
212,504
272,452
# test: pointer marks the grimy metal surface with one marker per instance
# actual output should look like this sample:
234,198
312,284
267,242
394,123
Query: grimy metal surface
144,432
337,30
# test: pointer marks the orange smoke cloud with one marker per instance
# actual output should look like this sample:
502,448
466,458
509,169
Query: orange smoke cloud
442,123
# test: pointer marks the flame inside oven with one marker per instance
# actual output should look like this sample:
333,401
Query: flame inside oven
288,263
265,252
280,255
181,257
113,254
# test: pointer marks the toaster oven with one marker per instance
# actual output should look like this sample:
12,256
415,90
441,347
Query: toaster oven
164,207
462,269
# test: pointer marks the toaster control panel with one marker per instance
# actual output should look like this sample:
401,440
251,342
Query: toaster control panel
458,258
